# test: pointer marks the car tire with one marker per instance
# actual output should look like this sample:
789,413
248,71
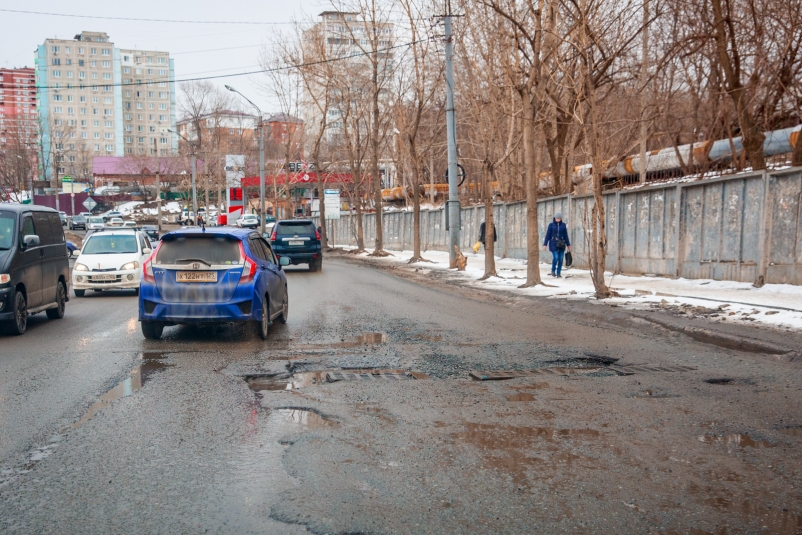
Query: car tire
285,308
264,325
19,309
79,293
316,265
152,330
61,300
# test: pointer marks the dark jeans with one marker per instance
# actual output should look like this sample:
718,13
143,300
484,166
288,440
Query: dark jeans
557,257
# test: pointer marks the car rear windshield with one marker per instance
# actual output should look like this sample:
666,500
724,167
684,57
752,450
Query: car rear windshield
6,230
214,250
96,220
291,229
110,244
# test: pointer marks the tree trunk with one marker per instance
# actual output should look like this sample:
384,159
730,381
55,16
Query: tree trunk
532,168
490,235
752,136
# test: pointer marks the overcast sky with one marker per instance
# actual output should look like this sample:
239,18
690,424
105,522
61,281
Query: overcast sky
23,32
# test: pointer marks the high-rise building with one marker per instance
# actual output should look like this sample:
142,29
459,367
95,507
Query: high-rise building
97,100
18,125
346,35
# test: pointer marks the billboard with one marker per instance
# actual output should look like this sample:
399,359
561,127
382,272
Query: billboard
235,172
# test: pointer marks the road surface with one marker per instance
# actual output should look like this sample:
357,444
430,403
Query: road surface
322,428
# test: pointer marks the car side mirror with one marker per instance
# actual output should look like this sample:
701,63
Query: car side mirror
31,240
147,251
283,261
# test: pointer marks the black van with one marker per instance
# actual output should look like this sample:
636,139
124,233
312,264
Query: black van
34,269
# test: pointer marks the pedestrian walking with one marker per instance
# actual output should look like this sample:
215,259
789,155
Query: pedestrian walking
200,220
557,241
482,233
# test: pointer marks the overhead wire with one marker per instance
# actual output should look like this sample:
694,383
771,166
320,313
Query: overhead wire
250,23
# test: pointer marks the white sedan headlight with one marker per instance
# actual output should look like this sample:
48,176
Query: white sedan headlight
129,266
80,267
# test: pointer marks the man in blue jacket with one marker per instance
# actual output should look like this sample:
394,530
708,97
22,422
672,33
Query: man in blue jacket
557,242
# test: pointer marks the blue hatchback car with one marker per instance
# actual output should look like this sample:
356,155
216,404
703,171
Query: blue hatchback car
215,275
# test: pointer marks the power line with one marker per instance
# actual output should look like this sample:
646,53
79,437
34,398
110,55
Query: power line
143,20
212,50
246,73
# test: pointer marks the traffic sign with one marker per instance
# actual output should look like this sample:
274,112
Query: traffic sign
89,203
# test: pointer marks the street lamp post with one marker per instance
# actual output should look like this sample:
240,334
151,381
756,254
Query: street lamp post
261,161
194,189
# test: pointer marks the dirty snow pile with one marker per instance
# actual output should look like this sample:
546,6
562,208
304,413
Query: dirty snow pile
775,305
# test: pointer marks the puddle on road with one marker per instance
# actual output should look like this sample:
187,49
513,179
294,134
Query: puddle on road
138,377
521,396
306,418
738,439
297,380
364,339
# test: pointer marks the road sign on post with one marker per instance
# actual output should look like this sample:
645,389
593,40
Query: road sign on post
90,203
331,201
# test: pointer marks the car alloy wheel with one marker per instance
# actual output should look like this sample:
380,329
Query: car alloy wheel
20,323
61,299
264,325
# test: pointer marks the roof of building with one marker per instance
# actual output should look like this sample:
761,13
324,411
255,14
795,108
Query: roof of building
283,118
225,113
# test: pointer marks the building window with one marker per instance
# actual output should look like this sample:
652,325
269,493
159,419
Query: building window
81,75
150,106
108,124
94,76
150,94
162,72
105,63
139,105
96,135
57,98
162,106
109,148
55,49
162,84
83,111
93,52
141,139
95,111
162,117
80,50
69,62
163,140
69,74
57,74
97,148
150,71
57,109
83,135
105,52
108,113
162,60
107,100
107,76
109,135
71,111
127,116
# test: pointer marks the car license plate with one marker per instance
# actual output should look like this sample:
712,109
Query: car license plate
196,276
295,242
103,278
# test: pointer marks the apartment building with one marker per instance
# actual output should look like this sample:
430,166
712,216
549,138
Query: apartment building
97,100
344,34
17,107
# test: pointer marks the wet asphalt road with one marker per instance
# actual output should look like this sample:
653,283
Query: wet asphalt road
102,431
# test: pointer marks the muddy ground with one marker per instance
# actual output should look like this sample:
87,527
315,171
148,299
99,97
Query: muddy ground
361,416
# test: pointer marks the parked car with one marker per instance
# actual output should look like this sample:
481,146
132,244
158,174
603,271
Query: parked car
71,248
216,275
76,222
111,259
298,240
96,223
248,221
116,222
152,231
34,269
86,214
130,224
63,217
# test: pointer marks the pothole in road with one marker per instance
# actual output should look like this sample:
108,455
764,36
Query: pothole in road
259,383
137,378
729,381
737,439
303,417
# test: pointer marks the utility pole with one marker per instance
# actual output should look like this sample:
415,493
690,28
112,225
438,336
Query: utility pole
158,188
451,133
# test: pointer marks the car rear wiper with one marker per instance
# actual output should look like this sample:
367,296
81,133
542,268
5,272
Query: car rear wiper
194,260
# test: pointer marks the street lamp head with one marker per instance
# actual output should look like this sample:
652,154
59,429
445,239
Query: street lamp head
231,88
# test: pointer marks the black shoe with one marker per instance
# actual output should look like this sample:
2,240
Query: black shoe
558,276
552,273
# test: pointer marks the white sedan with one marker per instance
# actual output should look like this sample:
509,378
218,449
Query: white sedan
248,221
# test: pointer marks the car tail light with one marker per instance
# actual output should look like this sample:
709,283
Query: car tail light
317,234
273,236
248,267
147,266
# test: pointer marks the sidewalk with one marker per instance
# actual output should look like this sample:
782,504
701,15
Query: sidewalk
774,305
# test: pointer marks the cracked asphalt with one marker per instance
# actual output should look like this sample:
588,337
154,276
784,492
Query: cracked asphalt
321,429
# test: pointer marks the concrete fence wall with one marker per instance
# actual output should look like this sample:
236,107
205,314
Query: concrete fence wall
743,227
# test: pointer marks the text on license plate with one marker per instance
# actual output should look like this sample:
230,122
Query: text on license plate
104,277
196,276
295,242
